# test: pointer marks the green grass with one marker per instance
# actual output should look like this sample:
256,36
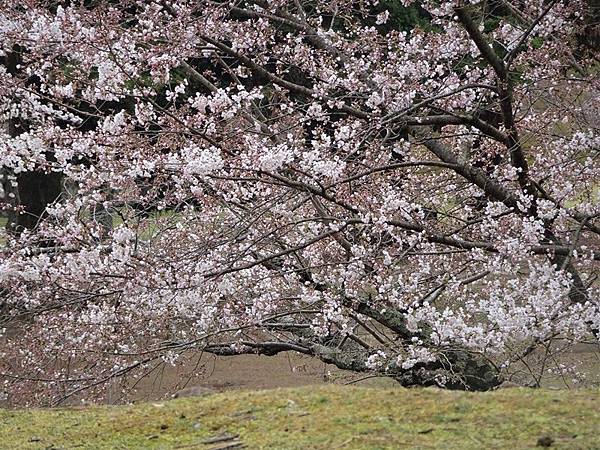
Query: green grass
3,221
321,417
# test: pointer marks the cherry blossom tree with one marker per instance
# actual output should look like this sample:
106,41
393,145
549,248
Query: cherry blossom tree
400,188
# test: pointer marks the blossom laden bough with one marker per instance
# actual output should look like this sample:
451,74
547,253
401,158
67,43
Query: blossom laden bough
260,177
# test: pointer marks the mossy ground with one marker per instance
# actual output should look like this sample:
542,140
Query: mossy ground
320,417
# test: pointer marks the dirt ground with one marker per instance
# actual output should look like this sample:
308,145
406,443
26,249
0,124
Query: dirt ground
206,373
210,373
254,372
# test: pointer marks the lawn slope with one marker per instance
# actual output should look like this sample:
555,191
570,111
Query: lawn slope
320,417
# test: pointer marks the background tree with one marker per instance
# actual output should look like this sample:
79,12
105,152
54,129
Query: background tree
29,192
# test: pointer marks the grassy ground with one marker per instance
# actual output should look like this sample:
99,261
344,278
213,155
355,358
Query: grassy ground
3,221
324,417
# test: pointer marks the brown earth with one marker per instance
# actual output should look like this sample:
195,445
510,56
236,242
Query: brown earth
209,373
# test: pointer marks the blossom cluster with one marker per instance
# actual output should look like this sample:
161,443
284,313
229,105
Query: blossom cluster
295,173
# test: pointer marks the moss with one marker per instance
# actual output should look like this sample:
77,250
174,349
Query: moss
320,417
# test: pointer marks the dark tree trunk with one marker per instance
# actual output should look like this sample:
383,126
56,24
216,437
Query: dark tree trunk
35,189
